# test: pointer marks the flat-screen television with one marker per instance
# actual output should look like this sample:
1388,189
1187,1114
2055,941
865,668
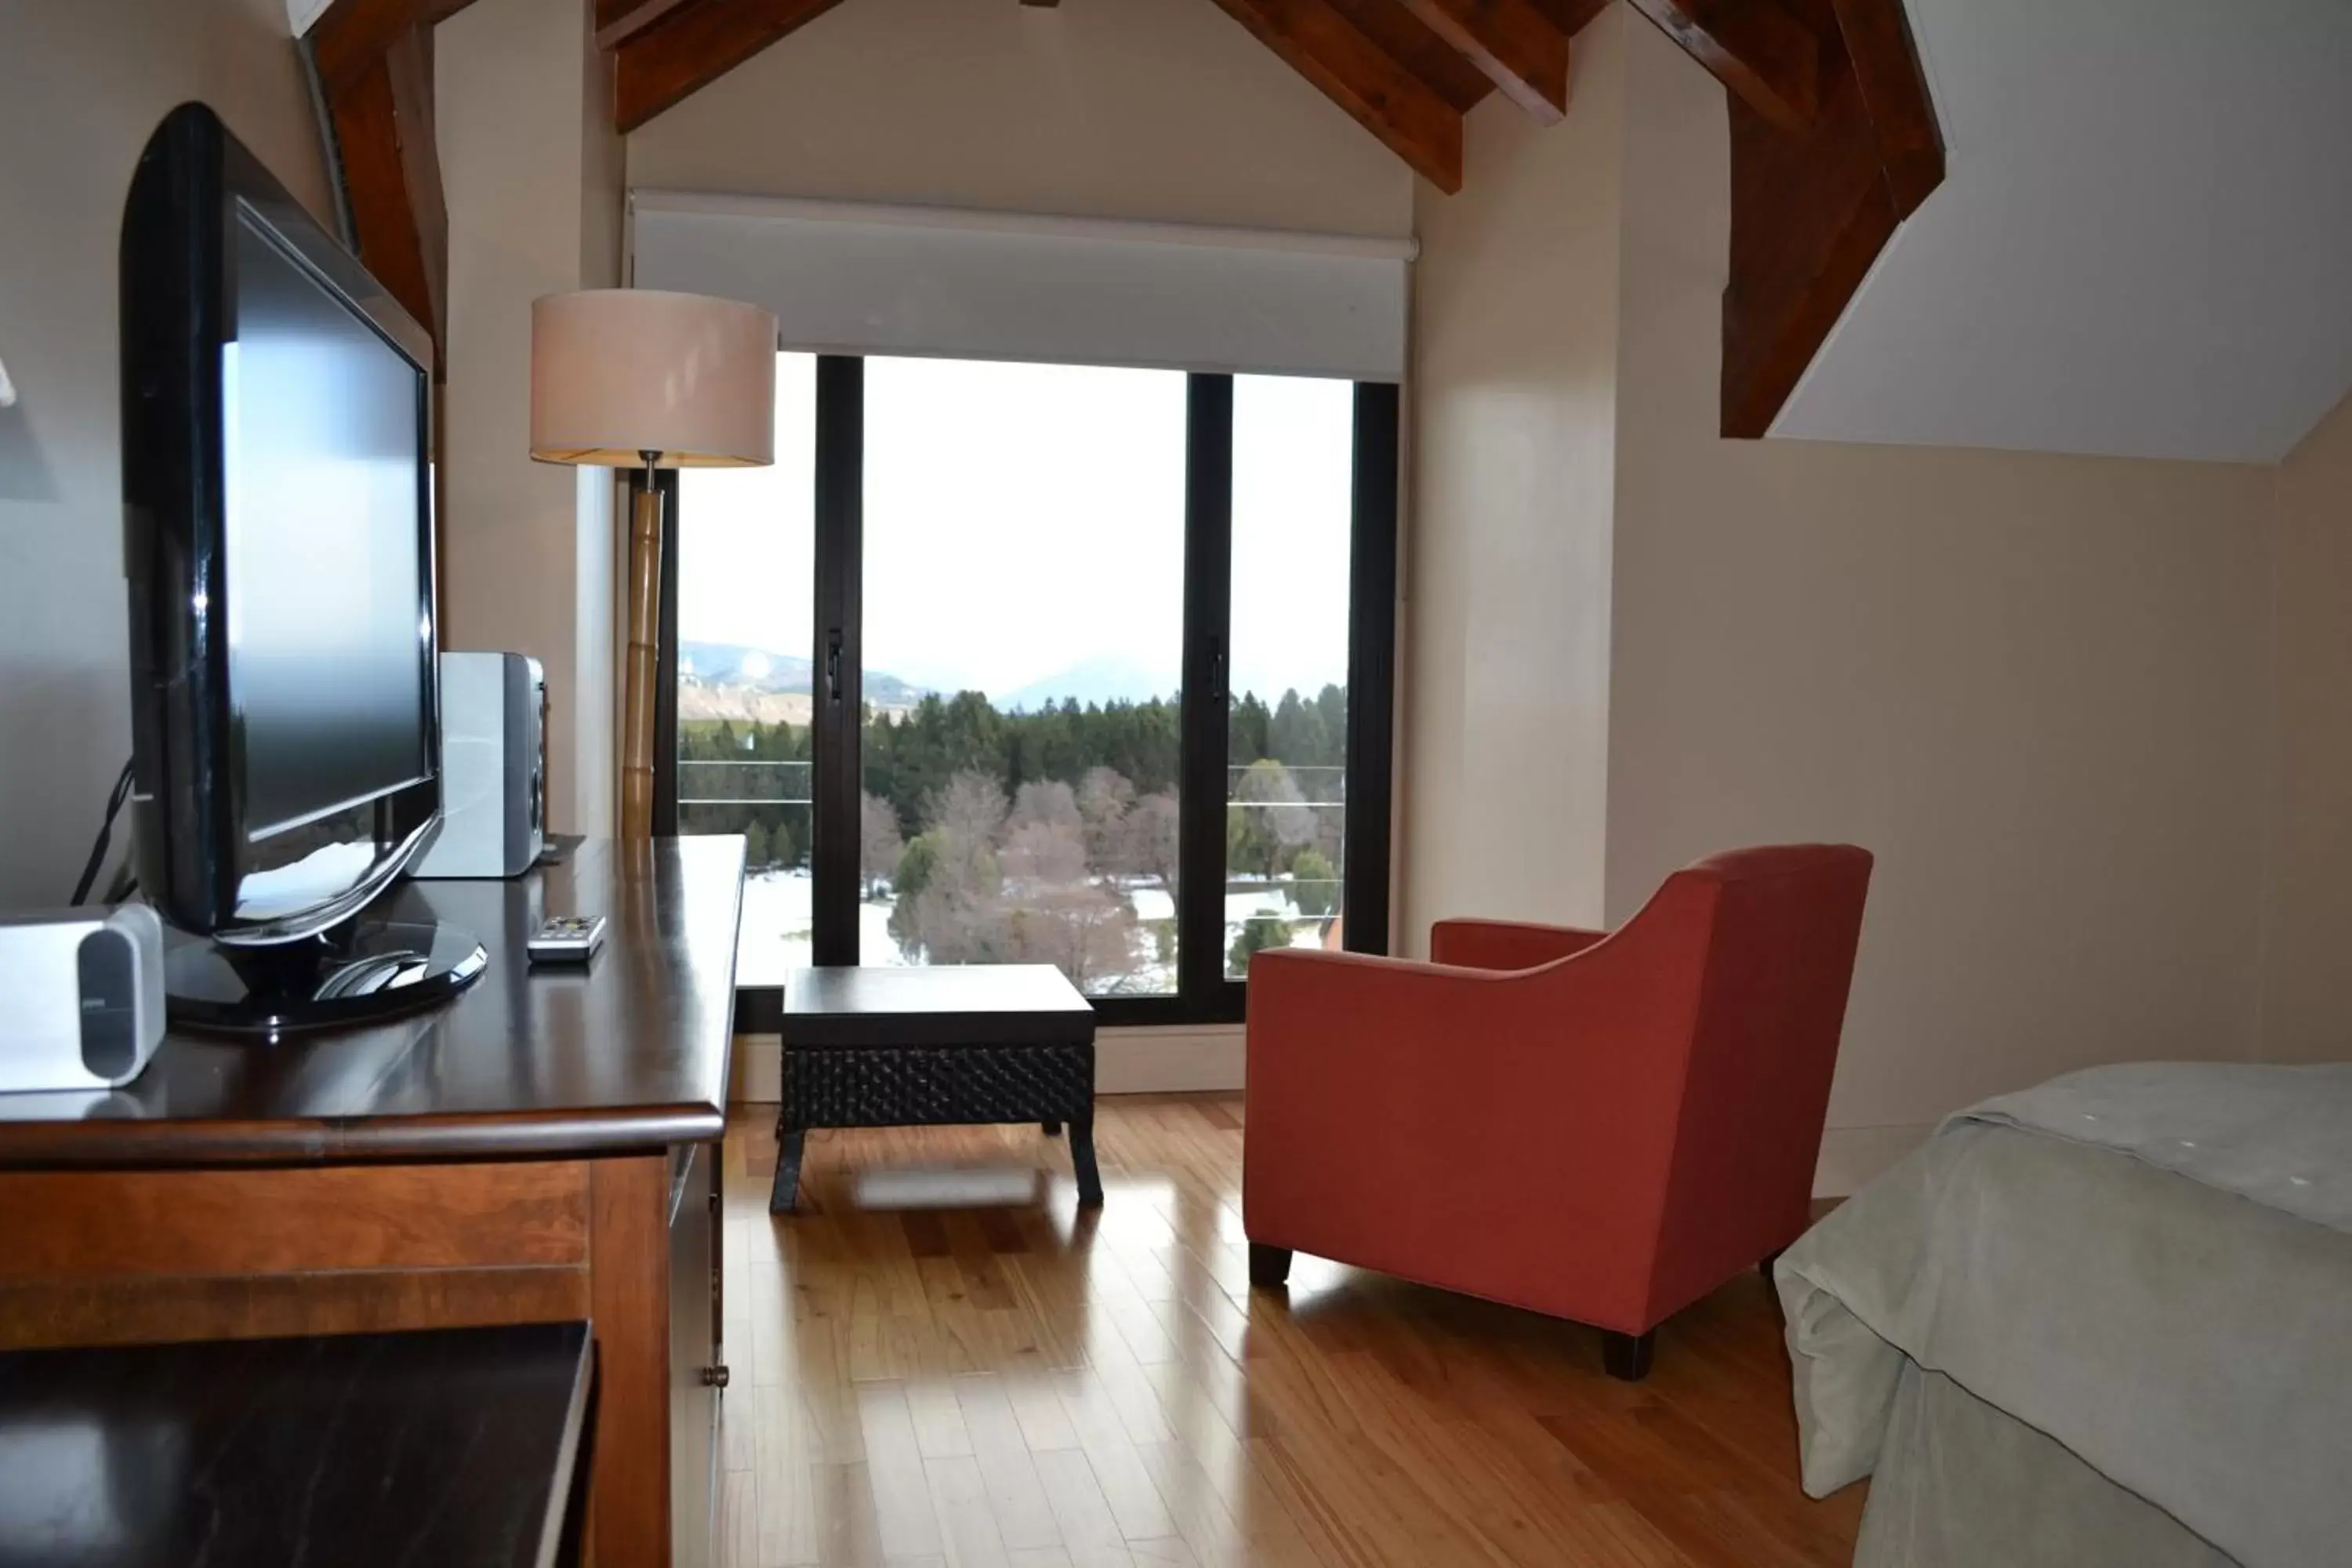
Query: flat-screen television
277,482
278,543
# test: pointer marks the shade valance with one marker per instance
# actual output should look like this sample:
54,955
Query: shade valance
853,278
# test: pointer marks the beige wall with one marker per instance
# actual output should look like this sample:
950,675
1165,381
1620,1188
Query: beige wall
2031,685
1505,623
2307,907
1142,109
531,170
82,85
2034,686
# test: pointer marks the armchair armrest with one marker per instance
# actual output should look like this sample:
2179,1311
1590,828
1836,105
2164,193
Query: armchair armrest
1505,944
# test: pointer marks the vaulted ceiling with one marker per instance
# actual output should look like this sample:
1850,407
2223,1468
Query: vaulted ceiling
2144,248
1833,138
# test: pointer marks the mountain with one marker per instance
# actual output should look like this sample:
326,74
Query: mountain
1093,681
732,667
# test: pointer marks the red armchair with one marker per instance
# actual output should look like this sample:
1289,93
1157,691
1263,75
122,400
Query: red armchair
1603,1126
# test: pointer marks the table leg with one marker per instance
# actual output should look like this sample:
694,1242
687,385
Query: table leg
789,1142
1082,1158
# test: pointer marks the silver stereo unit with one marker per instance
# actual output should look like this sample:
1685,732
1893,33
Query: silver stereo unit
81,997
493,766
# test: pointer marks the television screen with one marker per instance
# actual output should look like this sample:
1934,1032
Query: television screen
278,547
320,495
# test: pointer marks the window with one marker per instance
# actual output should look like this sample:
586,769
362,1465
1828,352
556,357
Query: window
1024,640
744,575
959,664
1286,725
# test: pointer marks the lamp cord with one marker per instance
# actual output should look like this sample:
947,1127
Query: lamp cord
120,792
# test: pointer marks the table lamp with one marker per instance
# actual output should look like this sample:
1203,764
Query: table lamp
629,377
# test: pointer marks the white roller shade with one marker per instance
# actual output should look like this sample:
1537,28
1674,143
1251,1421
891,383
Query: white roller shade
848,277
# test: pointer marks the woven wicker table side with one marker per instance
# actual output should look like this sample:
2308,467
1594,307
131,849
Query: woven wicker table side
930,1086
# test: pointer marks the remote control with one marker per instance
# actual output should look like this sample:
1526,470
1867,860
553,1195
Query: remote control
566,938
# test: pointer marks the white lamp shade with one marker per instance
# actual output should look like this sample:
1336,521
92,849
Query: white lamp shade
617,373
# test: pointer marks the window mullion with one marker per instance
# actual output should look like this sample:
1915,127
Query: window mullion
665,650
836,673
1371,669
1208,612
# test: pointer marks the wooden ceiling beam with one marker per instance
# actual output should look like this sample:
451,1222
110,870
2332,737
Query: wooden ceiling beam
617,21
390,171
1404,38
1570,15
1878,36
693,46
1404,110
1519,48
1811,211
1757,48
350,35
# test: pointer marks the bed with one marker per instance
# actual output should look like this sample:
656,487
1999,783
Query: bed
2106,1320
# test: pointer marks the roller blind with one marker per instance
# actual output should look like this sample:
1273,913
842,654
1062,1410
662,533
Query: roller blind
850,278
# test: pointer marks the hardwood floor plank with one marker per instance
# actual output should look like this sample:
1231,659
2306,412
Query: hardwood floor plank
939,1430
784,1515
739,1520
1124,1484
848,1532
902,1489
967,1522
941,1359
1023,1515
1041,1557
1137,1403
1044,1424
1081,1512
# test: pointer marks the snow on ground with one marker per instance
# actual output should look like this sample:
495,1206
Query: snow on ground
777,907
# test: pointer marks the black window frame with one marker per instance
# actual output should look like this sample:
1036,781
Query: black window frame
1204,993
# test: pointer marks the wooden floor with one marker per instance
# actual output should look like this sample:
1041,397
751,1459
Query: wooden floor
939,1359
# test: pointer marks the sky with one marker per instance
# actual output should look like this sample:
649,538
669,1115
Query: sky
1024,520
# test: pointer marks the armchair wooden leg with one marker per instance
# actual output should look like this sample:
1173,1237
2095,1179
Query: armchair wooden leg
1269,1267
1627,1356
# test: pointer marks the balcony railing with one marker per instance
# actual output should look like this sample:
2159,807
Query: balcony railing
706,783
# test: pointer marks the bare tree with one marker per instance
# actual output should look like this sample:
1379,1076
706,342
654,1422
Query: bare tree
1149,839
1046,854
1105,797
1044,802
970,809
879,843
1086,932
946,923
995,886
1266,785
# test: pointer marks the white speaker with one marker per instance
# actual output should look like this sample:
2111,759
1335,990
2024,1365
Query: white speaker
81,997
493,767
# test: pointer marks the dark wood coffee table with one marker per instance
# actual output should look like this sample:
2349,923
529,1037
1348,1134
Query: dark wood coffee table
924,1047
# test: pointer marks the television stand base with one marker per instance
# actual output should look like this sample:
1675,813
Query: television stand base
355,974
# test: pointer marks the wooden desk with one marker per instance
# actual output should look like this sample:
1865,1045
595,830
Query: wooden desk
544,1147
453,1446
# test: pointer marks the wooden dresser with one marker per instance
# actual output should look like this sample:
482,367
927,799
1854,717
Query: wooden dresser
543,1148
